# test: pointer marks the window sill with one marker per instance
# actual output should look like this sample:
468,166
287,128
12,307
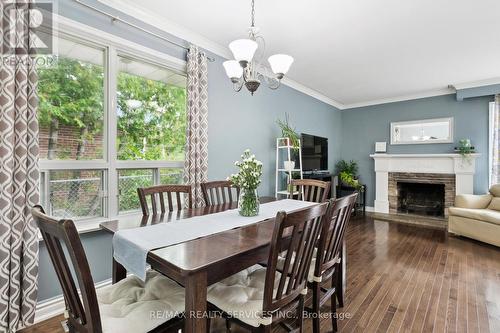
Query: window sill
93,225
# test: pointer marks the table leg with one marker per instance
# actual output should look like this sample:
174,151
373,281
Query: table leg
196,303
119,272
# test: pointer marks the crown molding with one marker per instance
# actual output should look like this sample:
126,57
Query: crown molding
475,84
313,93
426,94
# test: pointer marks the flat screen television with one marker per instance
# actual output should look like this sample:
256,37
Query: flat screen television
314,153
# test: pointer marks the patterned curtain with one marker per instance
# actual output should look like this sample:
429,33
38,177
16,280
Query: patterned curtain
495,147
196,160
19,177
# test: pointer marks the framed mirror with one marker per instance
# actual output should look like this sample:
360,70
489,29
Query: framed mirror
439,130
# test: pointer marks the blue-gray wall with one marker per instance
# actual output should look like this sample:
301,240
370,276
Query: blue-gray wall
236,121
362,127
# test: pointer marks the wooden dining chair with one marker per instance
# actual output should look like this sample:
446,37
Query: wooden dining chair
260,296
328,260
219,192
310,189
158,192
123,307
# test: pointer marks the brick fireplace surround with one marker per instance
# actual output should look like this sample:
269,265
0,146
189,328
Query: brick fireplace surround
448,180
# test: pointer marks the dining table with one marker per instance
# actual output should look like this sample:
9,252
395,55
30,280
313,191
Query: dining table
198,263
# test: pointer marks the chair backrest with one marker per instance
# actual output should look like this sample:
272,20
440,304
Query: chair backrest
219,192
332,233
297,233
311,189
56,233
158,192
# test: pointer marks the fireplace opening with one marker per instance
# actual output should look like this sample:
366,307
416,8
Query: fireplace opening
421,199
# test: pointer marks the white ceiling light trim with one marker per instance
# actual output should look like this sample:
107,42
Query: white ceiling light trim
251,62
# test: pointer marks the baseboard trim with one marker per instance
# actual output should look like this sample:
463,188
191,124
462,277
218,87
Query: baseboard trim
370,209
55,306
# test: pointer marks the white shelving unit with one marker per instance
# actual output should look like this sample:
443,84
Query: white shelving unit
284,153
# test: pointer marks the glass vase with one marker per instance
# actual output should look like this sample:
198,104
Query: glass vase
248,202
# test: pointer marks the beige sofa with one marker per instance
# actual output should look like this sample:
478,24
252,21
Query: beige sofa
477,216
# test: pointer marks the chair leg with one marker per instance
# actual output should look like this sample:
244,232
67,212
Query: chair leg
333,308
228,325
300,318
316,307
339,285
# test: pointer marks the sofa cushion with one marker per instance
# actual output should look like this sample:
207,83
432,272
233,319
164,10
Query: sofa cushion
487,215
495,190
494,204
473,201
132,305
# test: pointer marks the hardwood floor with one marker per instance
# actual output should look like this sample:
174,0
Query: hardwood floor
407,279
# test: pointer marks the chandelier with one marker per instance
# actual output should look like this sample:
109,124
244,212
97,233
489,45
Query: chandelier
247,68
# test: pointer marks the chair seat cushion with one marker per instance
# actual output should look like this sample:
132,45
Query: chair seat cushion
281,264
132,305
487,215
242,295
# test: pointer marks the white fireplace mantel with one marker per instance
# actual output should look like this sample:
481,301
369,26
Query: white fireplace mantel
463,168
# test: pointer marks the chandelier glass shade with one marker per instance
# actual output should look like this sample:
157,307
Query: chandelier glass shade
247,68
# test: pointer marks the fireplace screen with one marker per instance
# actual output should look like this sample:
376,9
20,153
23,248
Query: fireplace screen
421,199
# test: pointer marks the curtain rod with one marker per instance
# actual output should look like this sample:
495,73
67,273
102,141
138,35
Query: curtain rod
115,18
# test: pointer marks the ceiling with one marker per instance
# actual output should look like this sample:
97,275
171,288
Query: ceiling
353,52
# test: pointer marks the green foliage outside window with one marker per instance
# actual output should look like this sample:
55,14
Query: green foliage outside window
151,123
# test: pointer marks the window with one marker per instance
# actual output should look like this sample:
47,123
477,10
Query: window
71,103
128,182
151,111
94,159
76,193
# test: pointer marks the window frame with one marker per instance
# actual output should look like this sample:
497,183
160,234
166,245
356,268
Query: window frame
112,46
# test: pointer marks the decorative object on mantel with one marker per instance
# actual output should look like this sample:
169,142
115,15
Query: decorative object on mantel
247,70
465,149
380,147
248,179
439,130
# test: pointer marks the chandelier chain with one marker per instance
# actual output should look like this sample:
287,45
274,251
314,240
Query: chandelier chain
253,13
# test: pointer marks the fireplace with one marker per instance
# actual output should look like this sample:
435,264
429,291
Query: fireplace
421,199
427,194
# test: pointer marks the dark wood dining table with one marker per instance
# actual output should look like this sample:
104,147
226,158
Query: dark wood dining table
200,262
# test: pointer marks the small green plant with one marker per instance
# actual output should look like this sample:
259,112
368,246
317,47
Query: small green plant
287,131
349,179
350,167
465,148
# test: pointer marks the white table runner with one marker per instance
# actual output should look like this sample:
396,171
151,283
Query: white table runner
131,246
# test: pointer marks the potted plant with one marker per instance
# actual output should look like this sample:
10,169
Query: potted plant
465,149
347,172
248,179
288,132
